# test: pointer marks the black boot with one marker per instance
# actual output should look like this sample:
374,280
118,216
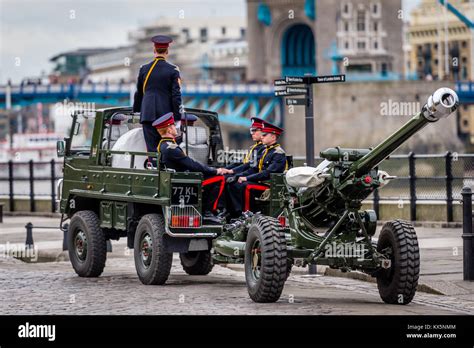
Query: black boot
210,219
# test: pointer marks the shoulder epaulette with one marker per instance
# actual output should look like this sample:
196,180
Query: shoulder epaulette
172,145
279,149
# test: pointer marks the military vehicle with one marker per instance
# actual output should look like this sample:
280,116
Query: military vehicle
306,216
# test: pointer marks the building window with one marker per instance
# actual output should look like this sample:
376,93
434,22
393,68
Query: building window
376,45
361,45
346,9
346,44
223,31
464,44
346,26
242,32
360,20
376,26
185,32
203,34
376,9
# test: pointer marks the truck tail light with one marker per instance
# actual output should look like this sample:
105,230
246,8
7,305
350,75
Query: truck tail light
185,216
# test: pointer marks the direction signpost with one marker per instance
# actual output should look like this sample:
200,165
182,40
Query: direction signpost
307,101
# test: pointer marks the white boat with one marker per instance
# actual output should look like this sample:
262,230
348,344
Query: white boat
30,146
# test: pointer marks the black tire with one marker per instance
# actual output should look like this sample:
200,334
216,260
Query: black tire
87,245
196,262
266,267
397,284
152,263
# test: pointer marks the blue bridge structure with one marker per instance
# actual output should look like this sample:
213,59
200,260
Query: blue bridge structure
234,103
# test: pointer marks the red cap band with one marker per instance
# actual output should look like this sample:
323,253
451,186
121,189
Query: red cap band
160,45
267,129
165,124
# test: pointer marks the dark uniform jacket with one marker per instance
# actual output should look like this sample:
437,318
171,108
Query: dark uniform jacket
272,160
251,160
173,157
162,92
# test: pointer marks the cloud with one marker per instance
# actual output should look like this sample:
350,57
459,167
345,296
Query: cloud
34,31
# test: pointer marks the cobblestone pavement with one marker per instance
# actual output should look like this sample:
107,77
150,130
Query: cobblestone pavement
54,288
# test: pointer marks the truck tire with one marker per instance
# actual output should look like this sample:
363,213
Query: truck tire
397,284
87,245
196,262
266,266
152,263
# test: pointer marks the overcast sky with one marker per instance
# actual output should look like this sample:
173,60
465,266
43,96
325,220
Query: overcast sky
32,31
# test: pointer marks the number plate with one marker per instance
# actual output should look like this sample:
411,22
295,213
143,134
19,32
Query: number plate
184,194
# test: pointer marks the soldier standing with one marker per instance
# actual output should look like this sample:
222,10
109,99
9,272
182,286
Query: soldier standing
158,91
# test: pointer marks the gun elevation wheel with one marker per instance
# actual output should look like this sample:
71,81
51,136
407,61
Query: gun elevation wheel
196,262
397,284
86,244
152,263
265,259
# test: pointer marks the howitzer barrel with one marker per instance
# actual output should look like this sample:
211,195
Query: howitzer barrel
440,105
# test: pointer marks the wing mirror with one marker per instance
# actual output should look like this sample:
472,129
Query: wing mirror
60,148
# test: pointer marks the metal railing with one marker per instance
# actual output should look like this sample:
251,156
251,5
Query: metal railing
30,179
423,178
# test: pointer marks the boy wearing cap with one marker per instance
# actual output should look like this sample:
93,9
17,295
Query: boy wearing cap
158,91
173,157
255,151
272,160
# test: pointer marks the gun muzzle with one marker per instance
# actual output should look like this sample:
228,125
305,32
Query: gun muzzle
441,104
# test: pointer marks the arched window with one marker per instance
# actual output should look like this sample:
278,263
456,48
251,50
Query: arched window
298,51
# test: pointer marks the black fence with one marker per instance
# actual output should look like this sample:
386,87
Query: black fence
32,179
437,178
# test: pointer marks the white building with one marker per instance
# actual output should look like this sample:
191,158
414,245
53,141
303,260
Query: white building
227,61
193,39
112,66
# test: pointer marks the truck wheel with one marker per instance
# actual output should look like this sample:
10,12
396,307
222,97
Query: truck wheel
196,262
152,263
266,267
397,284
86,244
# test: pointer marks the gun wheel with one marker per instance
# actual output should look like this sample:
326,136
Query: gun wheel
265,259
152,262
87,246
196,262
397,284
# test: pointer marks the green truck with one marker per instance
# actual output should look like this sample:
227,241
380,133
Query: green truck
306,216
108,194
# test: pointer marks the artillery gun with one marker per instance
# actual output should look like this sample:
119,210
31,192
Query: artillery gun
324,223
